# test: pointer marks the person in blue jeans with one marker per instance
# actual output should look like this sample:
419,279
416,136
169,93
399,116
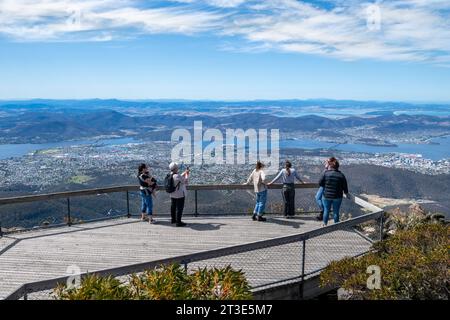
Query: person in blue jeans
146,207
258,177
260,207
318,197
334,186
147,185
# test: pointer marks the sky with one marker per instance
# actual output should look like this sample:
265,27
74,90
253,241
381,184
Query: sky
397,50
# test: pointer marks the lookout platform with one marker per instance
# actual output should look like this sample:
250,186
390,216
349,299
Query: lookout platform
275,254
47,253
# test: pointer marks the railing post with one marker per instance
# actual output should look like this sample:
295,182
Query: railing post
69,219
303,269
128,205
196,203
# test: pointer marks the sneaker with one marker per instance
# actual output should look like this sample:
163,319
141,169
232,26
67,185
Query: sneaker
173,221
254,217
262,219
152,221
181,224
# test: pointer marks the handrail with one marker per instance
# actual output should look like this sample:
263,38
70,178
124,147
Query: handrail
200,256
95,191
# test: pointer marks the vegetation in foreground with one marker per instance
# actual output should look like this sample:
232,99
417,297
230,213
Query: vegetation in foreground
166,283
413,260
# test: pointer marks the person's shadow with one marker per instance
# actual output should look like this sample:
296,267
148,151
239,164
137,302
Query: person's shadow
195,225
205,226
294,223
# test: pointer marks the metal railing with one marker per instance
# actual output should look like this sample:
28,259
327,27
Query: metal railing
297,244
127,190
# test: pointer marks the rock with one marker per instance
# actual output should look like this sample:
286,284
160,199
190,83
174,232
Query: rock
369,230
344,294
417,210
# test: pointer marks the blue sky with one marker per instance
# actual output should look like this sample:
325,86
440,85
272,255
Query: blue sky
225,49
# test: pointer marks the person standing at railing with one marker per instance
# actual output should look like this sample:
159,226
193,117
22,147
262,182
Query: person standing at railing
176,186
319,195
258,177
147,186
334,186
288,176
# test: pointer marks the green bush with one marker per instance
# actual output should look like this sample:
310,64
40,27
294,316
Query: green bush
219,284
414,264
94,287
165,283
168,283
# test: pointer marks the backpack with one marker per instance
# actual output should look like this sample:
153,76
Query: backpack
169,184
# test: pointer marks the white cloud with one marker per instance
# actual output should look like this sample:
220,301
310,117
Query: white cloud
409,30
62,19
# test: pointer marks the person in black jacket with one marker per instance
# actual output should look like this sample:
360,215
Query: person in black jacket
334,186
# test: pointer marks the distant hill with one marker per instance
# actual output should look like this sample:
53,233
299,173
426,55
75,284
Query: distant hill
110,103
65,124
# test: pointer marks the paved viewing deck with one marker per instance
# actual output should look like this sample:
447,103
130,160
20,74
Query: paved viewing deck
47,253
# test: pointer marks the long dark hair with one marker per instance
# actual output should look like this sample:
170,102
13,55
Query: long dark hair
259,165
141,168
288,166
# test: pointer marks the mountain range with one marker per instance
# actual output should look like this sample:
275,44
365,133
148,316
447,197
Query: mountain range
40,126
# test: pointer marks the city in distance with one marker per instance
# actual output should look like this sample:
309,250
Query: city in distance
74,144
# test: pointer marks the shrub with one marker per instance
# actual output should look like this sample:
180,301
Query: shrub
165,283
94,287
414,264
219,284
168,283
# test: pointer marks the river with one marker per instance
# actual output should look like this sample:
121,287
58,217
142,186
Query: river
440,149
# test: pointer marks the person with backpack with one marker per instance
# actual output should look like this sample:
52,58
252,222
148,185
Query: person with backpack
288,176
147,186
258,177
175,184
335,187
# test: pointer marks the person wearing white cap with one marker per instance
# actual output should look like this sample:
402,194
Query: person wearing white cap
178,193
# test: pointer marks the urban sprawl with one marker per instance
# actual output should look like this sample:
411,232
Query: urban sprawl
80,164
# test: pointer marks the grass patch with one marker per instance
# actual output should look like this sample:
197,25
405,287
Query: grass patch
80,179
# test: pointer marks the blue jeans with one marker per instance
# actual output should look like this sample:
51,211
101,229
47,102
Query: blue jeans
319,195
261,198
327,203
147,203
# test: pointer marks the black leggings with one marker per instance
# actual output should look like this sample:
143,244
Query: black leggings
289,199
176,209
